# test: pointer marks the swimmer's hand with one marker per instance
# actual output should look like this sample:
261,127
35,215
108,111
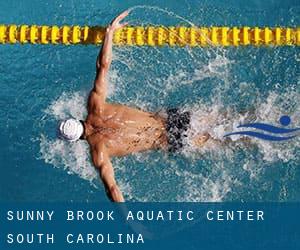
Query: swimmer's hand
115,24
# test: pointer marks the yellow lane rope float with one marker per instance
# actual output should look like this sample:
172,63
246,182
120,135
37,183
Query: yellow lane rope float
152,36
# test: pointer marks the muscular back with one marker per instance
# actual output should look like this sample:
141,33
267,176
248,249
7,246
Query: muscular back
123,129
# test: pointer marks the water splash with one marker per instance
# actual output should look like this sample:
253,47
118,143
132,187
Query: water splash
211,84
74,158
192,185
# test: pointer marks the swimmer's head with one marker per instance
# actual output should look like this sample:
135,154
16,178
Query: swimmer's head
70,129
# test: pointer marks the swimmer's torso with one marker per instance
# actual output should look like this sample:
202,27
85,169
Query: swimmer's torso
124,130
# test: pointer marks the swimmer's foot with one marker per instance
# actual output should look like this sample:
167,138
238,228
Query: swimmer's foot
200,140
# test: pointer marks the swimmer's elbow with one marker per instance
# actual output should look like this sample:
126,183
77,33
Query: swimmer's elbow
98,163
105,63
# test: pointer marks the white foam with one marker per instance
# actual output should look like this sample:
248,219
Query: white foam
214,118
271,110
188,182
200,188
217,121
72,157
68,105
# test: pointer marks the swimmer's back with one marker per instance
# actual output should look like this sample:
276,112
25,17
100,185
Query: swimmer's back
126,130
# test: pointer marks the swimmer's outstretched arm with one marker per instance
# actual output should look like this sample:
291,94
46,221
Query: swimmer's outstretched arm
105,56
103,164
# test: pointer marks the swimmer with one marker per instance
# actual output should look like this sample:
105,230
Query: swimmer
114,130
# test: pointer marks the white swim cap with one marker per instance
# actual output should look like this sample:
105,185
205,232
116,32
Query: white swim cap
70,130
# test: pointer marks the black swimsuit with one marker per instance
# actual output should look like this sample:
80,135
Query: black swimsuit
177,124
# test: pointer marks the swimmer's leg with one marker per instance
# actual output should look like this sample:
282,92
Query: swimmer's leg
200,140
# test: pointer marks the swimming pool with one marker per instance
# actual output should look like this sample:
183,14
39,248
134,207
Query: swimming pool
42,84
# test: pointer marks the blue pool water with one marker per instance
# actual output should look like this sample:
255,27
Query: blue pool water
42,84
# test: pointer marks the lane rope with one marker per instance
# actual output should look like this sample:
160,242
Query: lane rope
152,35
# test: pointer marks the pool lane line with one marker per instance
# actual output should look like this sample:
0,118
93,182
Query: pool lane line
152,35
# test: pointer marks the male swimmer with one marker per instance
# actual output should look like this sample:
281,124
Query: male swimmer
117,130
